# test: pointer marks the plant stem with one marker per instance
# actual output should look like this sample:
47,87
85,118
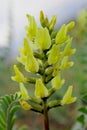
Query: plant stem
45,114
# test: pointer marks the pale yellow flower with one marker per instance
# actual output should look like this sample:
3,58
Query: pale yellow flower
43,39
24,96
57,82
54,55
23,92
40,90
31,64
19,77
67,50
32,28
61,36
22,58
67,98
65,63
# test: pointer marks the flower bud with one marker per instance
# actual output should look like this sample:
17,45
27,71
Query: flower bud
52,23
56,70
70,26
43,38
25,105
42,19
40,90
49,71
67,99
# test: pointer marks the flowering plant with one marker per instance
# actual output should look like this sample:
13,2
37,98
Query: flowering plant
45,53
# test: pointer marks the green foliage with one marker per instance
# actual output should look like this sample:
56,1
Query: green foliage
81,119
8,107
80,72
80,33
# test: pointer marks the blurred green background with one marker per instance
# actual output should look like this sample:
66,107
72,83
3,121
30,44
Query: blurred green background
12,33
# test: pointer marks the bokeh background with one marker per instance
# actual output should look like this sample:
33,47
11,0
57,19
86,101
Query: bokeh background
12,31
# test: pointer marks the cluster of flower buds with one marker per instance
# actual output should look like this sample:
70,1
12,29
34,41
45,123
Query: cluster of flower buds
45,53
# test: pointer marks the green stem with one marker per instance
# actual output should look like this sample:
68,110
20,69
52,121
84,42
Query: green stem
45,114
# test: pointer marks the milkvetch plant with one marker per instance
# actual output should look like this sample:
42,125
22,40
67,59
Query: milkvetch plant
46,54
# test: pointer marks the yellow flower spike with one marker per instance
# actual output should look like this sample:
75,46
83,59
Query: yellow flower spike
40,90
23,92
19,76
68,51
54,54
25,105
32,28
67,99
52,23
43,38
57,82
61,36
65,63
70,26
31,64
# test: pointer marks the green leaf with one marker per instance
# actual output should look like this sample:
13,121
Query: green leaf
2,127
2,122
14,109
8,107
84,98
83,110
2,115
81,119
12,122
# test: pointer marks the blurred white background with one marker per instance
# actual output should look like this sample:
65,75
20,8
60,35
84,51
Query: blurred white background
13,17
